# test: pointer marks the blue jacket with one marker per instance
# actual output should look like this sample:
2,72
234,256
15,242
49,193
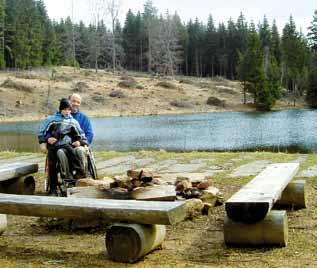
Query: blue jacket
85,125
62,126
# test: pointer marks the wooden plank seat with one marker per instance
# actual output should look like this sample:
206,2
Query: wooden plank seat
139,226
144,212
255,200
15,177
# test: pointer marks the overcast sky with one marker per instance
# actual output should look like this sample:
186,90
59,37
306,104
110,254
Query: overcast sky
221,10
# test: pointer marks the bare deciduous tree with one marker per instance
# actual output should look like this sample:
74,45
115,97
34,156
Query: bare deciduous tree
166,48
113,7
98,13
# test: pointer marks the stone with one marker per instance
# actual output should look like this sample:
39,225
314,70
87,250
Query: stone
193,208
250,169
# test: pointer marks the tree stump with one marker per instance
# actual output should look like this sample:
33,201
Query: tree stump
272,230
3,223
129,242
294,195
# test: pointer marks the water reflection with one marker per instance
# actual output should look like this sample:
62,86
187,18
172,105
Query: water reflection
290,130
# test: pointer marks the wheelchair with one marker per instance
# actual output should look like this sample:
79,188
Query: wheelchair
66,177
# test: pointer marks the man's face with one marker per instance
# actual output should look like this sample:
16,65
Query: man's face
75,103
66,111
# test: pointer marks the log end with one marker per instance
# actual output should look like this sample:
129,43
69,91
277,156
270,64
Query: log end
3,223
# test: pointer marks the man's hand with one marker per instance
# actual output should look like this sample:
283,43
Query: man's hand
76,143
86,150
51,140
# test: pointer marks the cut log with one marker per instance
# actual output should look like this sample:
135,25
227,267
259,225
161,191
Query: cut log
23,185
129,242
254,201
155,193
145,212
106,183
272,230
86,192
3,223
17,170
294,195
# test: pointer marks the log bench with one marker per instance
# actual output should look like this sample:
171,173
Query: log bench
16,178
139,225
250,219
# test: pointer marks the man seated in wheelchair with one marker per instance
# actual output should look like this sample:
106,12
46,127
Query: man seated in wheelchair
62,134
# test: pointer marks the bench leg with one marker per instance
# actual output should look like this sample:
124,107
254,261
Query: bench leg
294,195
22,185
3,223
273,230
130,242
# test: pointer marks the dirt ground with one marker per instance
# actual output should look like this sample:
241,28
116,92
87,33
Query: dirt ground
192,243
30,95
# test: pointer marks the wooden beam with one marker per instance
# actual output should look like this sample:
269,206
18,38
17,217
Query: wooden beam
130,242
254,201
272,230
145,212
17,170
22,185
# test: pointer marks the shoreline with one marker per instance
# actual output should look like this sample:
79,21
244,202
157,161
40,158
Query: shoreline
96,115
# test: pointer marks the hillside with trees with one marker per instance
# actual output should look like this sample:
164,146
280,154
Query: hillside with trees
264,60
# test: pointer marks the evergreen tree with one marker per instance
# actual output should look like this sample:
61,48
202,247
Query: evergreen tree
211,47
312,34
2,31
276,44
294,59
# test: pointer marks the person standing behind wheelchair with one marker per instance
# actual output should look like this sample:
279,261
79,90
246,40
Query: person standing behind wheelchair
81,118
85,125
62,131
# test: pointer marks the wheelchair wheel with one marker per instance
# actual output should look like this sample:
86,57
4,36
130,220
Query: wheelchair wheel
92,166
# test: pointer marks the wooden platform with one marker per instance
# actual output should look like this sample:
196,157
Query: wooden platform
144,212
254,201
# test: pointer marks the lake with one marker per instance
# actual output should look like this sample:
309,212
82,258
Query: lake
288,130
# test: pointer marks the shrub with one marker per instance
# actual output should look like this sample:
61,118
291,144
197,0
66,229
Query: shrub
216,102
98,98
117,94
80,87
128,84
166,84
8,83
180,104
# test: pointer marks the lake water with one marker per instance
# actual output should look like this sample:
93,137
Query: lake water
289,130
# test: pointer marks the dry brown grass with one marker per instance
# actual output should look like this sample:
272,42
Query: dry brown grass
196,243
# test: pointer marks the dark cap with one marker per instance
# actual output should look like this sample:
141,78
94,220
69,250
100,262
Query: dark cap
64,103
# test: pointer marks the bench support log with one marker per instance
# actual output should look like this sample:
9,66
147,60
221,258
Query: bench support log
3,223
22,185
130,242
294,195
272,230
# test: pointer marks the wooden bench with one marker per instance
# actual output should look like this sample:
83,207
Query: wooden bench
249,217
15,177
142,230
